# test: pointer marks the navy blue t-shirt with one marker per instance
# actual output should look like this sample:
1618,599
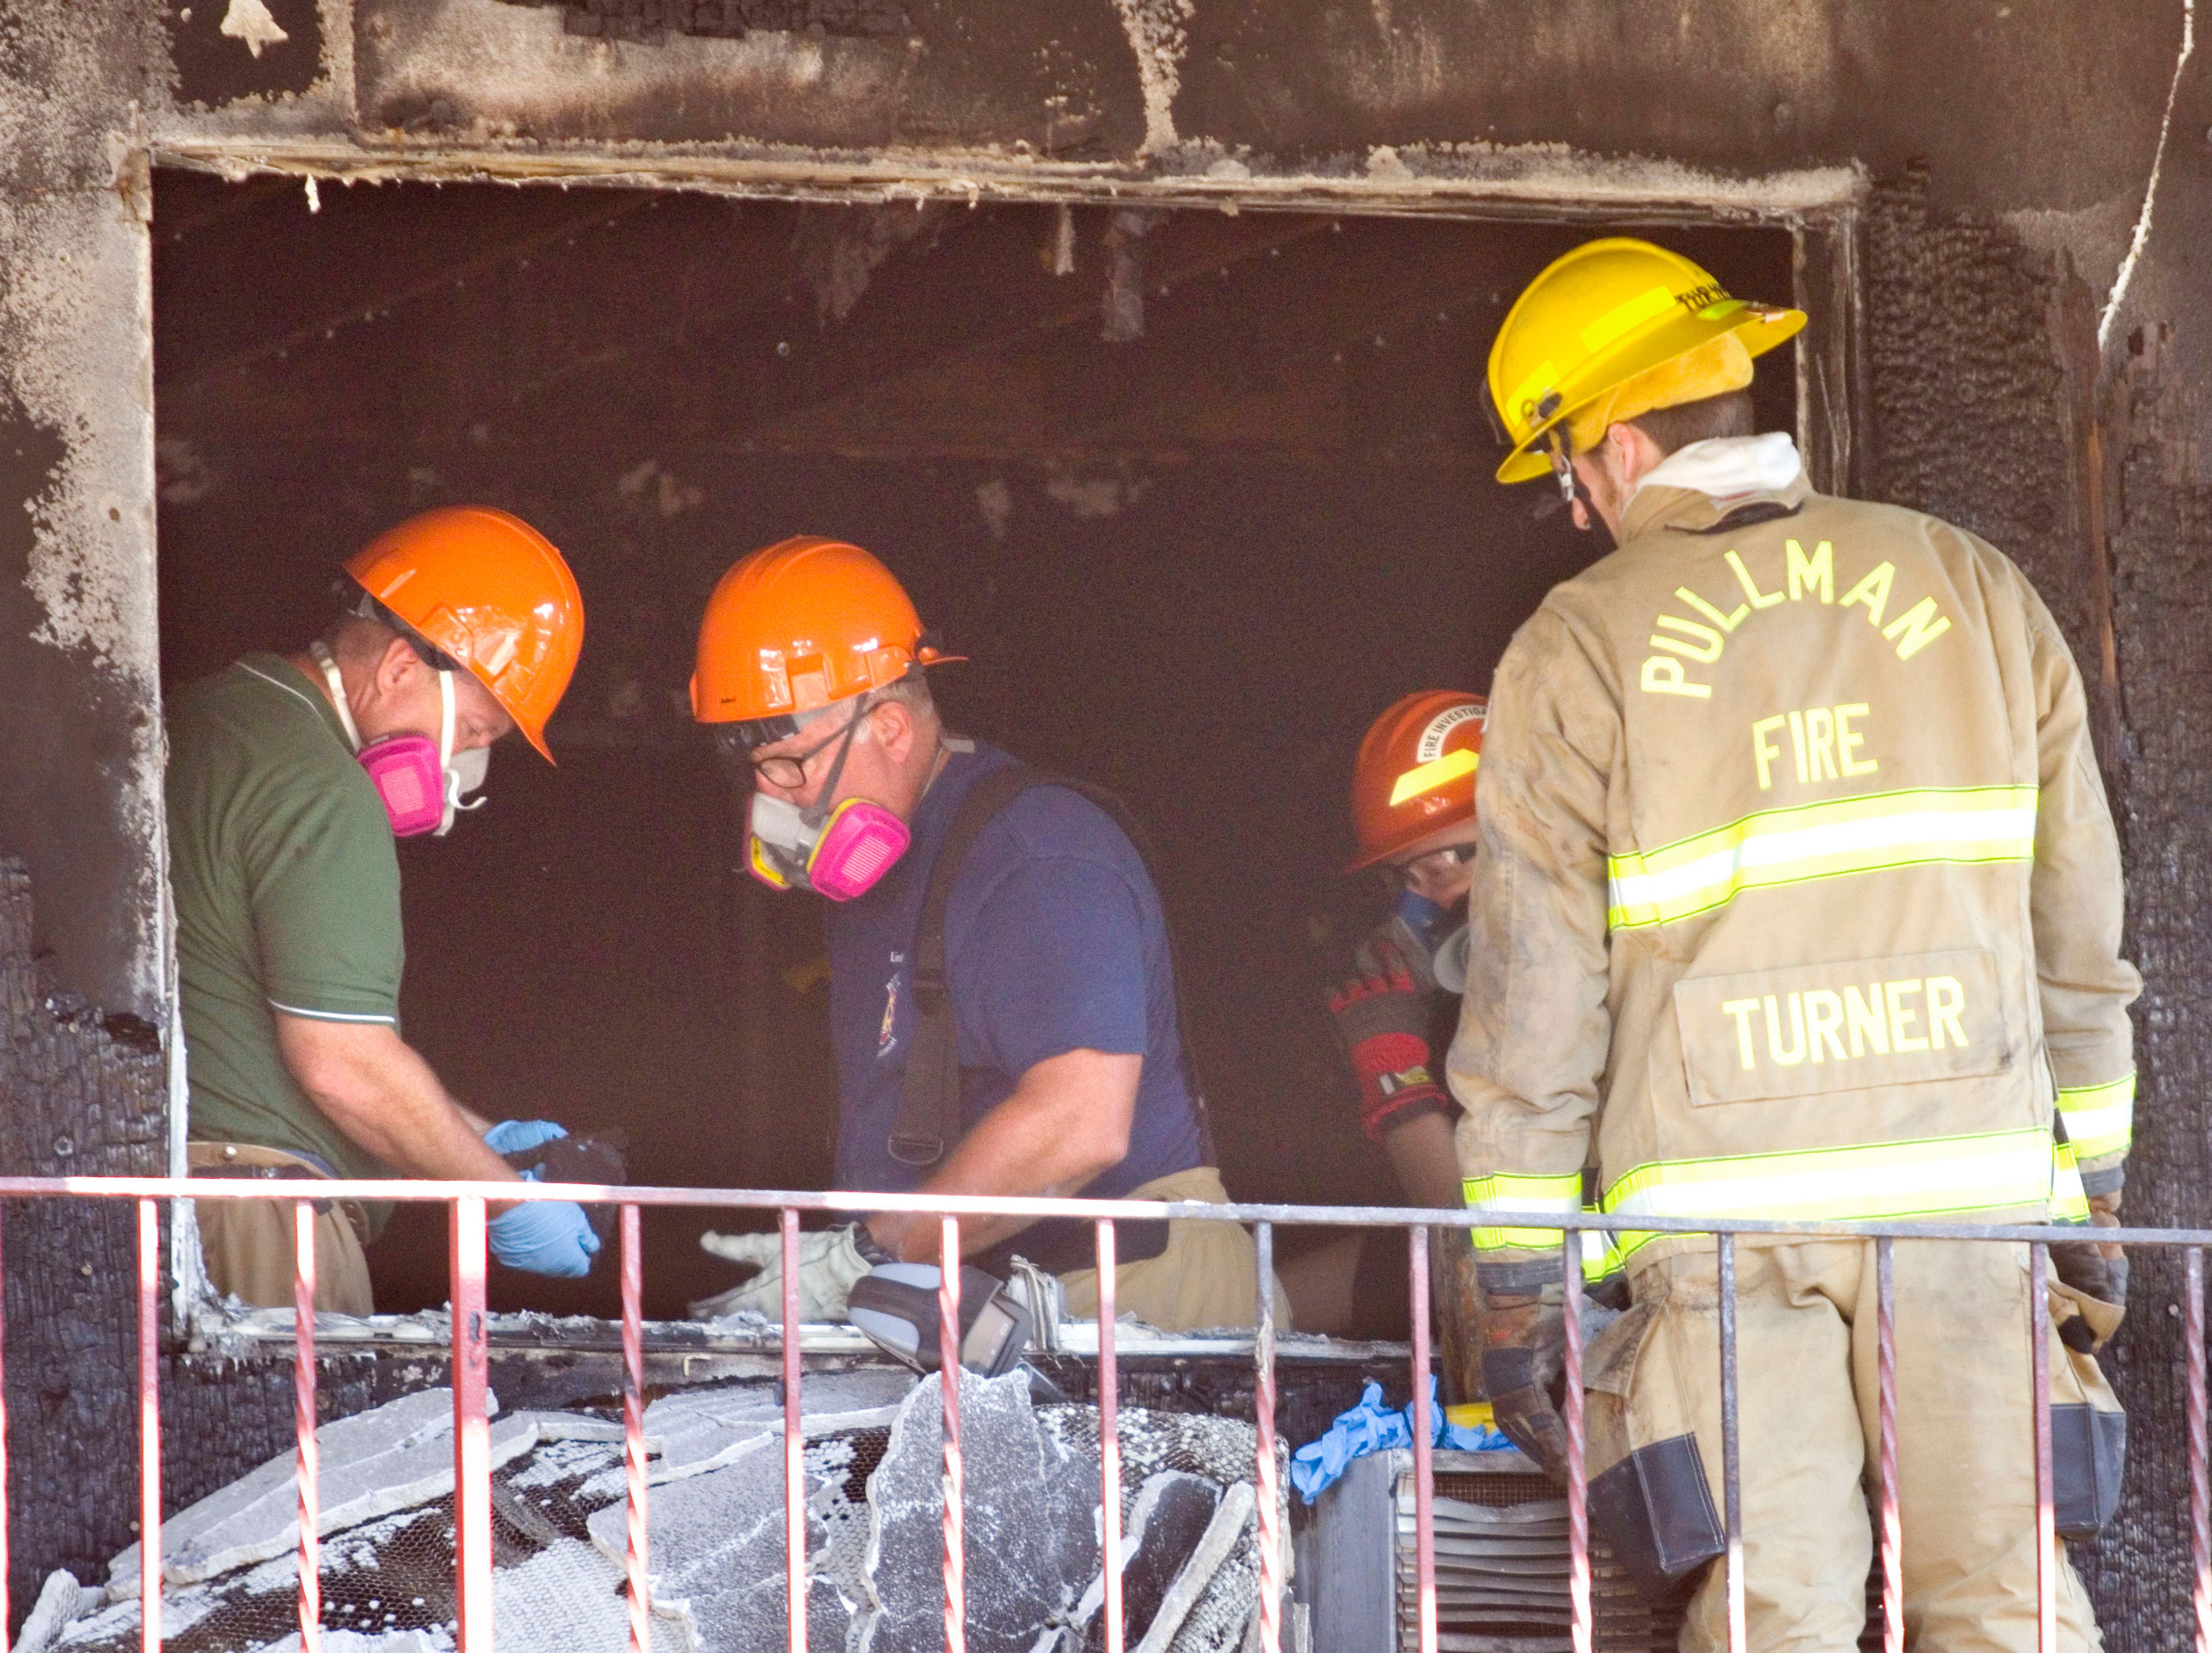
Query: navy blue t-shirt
1054,942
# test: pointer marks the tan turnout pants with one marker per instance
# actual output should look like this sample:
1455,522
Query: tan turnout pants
249,1244
1806,1347
1206,1276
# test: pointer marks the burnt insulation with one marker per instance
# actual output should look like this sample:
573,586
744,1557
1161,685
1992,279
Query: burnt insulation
1970,405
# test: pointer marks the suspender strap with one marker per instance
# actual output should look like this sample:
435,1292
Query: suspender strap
928,1120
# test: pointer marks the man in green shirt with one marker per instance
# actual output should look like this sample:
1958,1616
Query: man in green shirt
288,777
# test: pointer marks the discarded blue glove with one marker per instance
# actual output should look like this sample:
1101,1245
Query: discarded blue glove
1371,1427
545,1236
521,1135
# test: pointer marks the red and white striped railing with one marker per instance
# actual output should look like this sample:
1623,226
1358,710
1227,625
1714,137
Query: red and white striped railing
472,1559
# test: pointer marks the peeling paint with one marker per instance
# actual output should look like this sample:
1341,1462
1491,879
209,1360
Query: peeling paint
2126,276
249,20
1155,28
75,333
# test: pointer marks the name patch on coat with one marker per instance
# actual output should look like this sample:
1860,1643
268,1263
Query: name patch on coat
1813,1028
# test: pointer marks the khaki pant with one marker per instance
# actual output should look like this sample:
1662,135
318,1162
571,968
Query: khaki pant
1806,1351
249,1245
1206,1276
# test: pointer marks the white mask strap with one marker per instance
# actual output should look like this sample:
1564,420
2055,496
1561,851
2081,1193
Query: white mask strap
336,682
445,720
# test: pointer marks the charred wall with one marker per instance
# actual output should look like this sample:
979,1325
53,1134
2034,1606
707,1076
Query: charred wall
1985,412
2035,366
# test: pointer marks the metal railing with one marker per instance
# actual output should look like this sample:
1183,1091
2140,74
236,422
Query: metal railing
471,1457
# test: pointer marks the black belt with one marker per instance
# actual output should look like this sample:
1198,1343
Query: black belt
274,1173
1064,1245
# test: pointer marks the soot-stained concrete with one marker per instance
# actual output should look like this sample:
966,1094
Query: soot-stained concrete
2031,274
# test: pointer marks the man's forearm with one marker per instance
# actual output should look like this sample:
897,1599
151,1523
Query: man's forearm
379,1091
1427,1165
1066,1123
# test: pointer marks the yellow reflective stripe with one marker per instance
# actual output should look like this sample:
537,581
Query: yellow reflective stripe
1550,1196
1602,1258
2070,1202
1437,772
1931,1177
1820,841
2099,1118
1634,312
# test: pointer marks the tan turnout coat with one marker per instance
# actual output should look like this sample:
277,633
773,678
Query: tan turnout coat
1807,891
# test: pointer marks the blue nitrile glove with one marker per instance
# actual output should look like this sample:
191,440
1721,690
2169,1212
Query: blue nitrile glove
521,1135
1371,1427
545,1236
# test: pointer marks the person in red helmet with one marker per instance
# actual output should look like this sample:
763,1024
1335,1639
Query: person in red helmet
1412,811
1413,817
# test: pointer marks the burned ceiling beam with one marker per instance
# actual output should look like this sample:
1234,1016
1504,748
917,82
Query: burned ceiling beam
270,315
649,21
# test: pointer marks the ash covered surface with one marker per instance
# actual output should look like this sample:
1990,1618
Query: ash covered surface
716,1532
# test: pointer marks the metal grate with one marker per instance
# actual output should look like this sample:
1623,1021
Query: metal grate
1502,1583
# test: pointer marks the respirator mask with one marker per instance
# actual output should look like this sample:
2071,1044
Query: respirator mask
421,782
839,850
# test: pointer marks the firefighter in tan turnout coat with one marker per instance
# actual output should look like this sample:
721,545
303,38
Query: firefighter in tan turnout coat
1790,809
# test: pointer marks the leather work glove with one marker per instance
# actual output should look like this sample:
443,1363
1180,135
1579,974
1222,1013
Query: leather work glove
514,1136
1523,1342
544,1237
829,1260
2096,1269
1383,1016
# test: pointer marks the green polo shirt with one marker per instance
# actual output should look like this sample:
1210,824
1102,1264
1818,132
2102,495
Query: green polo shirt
287,888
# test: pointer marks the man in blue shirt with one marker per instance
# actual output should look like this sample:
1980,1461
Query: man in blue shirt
1052,1062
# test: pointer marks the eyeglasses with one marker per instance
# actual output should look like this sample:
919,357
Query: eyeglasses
1402,873
788,769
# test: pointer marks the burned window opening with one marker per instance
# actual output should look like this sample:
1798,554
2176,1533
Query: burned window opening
1199,493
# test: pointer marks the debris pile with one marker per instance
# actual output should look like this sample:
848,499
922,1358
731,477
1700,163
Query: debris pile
716,1531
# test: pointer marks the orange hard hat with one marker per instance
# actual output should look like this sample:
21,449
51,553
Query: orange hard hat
1414,775
491,591
797,625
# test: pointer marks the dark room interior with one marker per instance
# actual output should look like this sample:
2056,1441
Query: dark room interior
1196,493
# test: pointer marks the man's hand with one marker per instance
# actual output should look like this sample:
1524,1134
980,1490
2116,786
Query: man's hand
521,1135
829,1260
544,1237
2095,1268
1383,1019
1523,1341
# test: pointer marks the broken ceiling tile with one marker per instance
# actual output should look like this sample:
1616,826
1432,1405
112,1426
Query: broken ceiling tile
1225,1532
567,1596
1159,1533
392,1457
698,1430
1024,1572
61,1598
715,1544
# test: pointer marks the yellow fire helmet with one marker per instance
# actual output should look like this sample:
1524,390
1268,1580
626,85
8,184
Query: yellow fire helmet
1616,328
